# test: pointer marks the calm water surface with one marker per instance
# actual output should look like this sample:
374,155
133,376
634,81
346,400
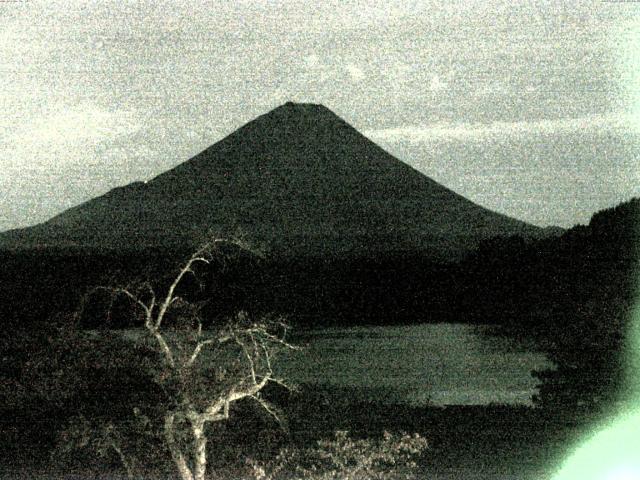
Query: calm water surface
417,364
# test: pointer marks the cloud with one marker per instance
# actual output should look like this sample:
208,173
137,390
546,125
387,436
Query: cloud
317,67
79,126
312,61
63,135
498,130
436,84
355,73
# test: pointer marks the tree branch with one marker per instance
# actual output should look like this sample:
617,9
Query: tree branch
270,409
123,459
164,346
197,350
203,255
252,366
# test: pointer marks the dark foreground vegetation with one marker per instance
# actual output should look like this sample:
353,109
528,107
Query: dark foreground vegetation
493,441
572,295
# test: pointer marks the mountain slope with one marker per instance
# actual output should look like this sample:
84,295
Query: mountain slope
298,178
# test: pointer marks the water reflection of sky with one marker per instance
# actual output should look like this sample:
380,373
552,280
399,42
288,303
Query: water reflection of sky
444,363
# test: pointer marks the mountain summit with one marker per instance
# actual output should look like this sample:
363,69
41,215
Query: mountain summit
298,179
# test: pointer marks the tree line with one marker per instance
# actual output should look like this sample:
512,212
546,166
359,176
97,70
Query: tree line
572,295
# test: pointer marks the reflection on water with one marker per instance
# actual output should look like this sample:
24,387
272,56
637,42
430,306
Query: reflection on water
417,364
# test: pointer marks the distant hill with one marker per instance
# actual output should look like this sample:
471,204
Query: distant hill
297,179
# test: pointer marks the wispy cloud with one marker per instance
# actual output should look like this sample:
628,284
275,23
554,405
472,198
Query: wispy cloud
355,73
79,126
436,84
65,135
499,129
312,61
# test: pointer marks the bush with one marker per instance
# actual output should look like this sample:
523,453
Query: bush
343,458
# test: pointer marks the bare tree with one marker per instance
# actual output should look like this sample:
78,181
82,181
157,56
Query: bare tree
202,370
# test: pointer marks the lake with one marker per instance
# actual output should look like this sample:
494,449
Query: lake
441,364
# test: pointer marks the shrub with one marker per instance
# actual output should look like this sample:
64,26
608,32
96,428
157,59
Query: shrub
344,458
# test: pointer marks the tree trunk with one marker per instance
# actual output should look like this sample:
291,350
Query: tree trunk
200,444
176,453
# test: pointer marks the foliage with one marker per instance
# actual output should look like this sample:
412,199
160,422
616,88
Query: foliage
344,458
172,375
105,387
588,323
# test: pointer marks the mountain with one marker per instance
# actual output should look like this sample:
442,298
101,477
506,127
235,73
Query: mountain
297,179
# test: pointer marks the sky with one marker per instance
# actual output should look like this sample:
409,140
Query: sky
531,109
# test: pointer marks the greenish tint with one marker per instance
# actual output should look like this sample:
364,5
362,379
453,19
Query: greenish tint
631,395
613,452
